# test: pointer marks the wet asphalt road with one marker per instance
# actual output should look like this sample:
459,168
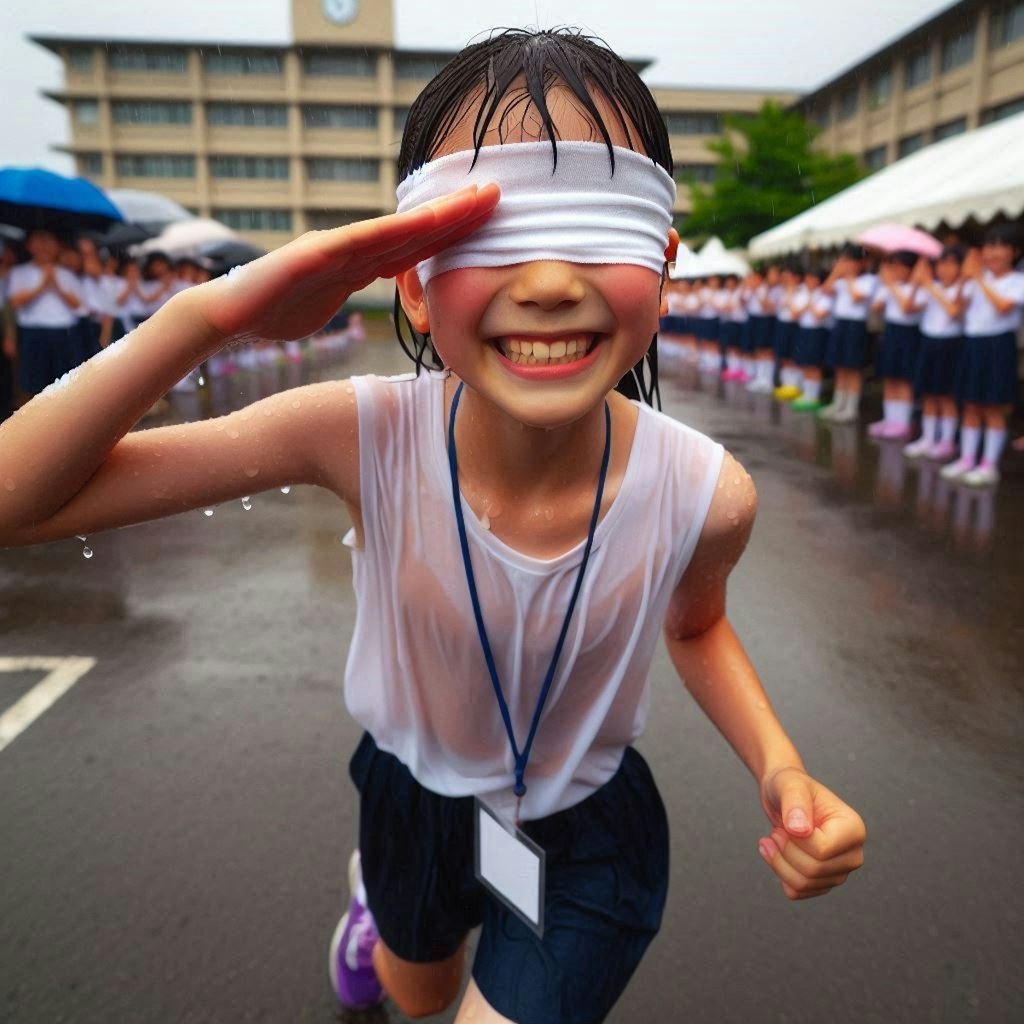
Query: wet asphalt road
175,829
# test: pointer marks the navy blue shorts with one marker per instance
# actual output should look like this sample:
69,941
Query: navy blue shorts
44,354
730,333
672,324
897,352
987,370
785,339
937,361
848,345
810,347
607,879
762,330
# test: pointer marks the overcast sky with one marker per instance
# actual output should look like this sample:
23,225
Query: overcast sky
791,44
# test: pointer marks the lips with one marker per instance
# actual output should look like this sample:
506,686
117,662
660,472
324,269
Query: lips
533,351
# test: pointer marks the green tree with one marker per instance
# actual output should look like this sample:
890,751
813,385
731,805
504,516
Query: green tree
767,172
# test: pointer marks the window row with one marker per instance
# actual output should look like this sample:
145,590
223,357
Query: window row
266,168
878,157
693,123
243,115
230,61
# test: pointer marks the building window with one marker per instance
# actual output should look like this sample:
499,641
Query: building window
911,144
874,159
330,116
156,166
90,164
324,220
949,129
80,59
918,68
274,167
342,169
150,112
1001,110
848,104
247,115
693,123
242,62
346,63
420,68
255,220
142,58
822,117
87,113
1006,24
879,90
958,49
400,116
703,174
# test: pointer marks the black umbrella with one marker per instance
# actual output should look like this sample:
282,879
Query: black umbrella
232,253
120,236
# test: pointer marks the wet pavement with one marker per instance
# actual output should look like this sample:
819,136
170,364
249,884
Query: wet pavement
175,828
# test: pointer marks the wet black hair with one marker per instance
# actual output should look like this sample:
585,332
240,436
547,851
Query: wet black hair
1003,234
852,252
514,70
152,258
953,252
905,258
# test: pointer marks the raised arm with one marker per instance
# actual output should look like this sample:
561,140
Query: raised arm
67,462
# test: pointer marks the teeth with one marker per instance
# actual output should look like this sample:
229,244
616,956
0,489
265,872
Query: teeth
527,352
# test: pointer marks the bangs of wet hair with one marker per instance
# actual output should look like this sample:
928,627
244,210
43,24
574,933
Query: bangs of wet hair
497,83
1003,234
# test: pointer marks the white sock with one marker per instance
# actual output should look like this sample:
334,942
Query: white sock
853,401
887,415
732,361
750,367
928,428
812,389
994,442
970,437
947,429
902,412
766,368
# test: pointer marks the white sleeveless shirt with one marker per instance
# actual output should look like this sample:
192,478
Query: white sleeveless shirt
416,678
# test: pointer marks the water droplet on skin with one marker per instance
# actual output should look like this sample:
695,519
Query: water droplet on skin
233,434
549,514
762,705
202,380
485,521
10,485
87,552
285,490
247,503
207,512
296,404
218,426
268,412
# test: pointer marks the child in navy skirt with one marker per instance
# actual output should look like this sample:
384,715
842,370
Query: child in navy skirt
986,379
938,355
853,288
708,325
672,326
786,316
813,326
734,318
761,307
897,352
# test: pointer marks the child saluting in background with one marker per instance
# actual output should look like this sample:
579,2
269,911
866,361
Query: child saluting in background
538,298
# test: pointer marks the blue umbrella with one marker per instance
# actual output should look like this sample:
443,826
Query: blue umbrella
33,198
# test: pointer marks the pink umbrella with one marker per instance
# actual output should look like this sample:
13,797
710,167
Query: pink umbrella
900,238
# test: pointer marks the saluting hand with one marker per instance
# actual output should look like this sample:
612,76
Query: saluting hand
295,290
817,839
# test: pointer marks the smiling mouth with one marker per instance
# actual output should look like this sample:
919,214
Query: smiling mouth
551,352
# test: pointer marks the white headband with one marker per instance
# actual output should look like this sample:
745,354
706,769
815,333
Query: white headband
575,210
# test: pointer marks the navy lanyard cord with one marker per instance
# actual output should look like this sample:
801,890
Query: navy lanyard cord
521,758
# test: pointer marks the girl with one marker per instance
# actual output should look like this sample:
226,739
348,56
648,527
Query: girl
898,348
853,289
939,355
672,326
814,309
986,383
734,318
786,326
708,325
447,475
761,310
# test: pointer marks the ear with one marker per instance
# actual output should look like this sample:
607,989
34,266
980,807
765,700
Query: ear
413,299
673,245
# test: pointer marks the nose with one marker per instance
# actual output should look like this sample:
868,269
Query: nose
548,285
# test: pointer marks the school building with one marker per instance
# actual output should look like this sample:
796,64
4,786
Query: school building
277,140
958,70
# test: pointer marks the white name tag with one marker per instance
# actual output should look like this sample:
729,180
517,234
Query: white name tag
511,865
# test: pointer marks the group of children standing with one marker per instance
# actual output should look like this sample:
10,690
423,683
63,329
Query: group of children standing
949,342
64,302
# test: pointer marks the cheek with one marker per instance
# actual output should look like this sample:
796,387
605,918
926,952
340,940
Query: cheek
456,302
634,294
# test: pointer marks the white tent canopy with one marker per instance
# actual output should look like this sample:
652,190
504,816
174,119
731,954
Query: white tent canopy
713,260
978,174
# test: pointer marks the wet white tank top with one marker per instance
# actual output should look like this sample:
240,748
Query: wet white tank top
416,678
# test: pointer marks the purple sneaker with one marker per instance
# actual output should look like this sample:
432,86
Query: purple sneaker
351,958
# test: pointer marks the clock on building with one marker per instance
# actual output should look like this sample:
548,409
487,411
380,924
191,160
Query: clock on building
341,12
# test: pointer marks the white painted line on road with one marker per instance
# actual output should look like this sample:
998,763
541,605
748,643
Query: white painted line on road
62,674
